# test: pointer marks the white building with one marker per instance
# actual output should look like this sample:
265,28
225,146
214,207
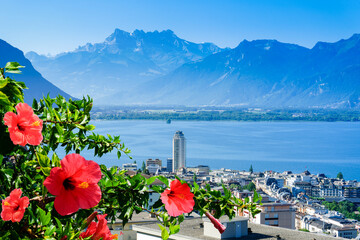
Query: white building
153,168
130,166
179,151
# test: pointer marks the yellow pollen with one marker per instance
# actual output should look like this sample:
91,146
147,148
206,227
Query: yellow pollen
35,124
83,185
181,196
6,204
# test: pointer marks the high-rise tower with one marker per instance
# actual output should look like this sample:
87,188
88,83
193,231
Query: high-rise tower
179,151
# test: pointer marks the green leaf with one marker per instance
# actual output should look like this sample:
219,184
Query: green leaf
196,186
3,83
227,192
55,160
150,180
89,127
59,225
13,67
256,197
164,234
4,98
44,160
157,188
157,204
50,230
164,180
181,218
44,218
174,229
46,170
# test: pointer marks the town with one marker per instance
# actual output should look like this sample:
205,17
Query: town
299,201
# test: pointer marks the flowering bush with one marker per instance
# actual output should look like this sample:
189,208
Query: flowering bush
43,197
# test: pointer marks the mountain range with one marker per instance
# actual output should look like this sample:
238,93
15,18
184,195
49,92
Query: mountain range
160,68
124,61
38,86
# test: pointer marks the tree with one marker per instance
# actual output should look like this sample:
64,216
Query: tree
340,175
251,170
143,167
251,187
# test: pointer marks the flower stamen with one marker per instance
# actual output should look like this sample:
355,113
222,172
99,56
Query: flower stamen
36,124
83,185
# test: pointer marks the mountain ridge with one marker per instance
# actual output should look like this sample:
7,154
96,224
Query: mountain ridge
258,73
123,59
38,86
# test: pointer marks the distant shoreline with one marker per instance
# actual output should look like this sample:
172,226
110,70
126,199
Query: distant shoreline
230,115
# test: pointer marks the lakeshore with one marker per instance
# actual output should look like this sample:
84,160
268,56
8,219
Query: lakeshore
319,147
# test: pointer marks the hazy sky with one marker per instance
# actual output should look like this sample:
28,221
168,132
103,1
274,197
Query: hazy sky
50,26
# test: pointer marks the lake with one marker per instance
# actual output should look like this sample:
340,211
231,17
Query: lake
319,147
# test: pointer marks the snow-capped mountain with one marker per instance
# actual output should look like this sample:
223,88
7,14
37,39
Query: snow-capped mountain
122,62
160,68
264,73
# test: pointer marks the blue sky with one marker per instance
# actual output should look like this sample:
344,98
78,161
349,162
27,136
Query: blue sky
55,26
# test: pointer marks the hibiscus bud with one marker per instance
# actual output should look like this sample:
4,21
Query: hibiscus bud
216,222
90,218
64,238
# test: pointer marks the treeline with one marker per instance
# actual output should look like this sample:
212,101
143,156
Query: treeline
345,207
250,187
235,115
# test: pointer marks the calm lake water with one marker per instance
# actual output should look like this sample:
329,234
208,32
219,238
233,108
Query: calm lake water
320,147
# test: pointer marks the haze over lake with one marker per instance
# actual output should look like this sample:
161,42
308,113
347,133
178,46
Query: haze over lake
320,147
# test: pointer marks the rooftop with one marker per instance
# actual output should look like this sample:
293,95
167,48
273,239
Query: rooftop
191,230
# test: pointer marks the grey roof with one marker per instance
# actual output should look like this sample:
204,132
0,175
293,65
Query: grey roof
191,230
353,200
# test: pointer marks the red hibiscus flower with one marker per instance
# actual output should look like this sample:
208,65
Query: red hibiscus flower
98,230
178,199
217,224
74,184
13,207
25,127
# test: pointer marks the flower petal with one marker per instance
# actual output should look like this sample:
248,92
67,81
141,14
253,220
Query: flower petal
72,163
15,194
88,197
24,110
54,182
10,119
66,203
